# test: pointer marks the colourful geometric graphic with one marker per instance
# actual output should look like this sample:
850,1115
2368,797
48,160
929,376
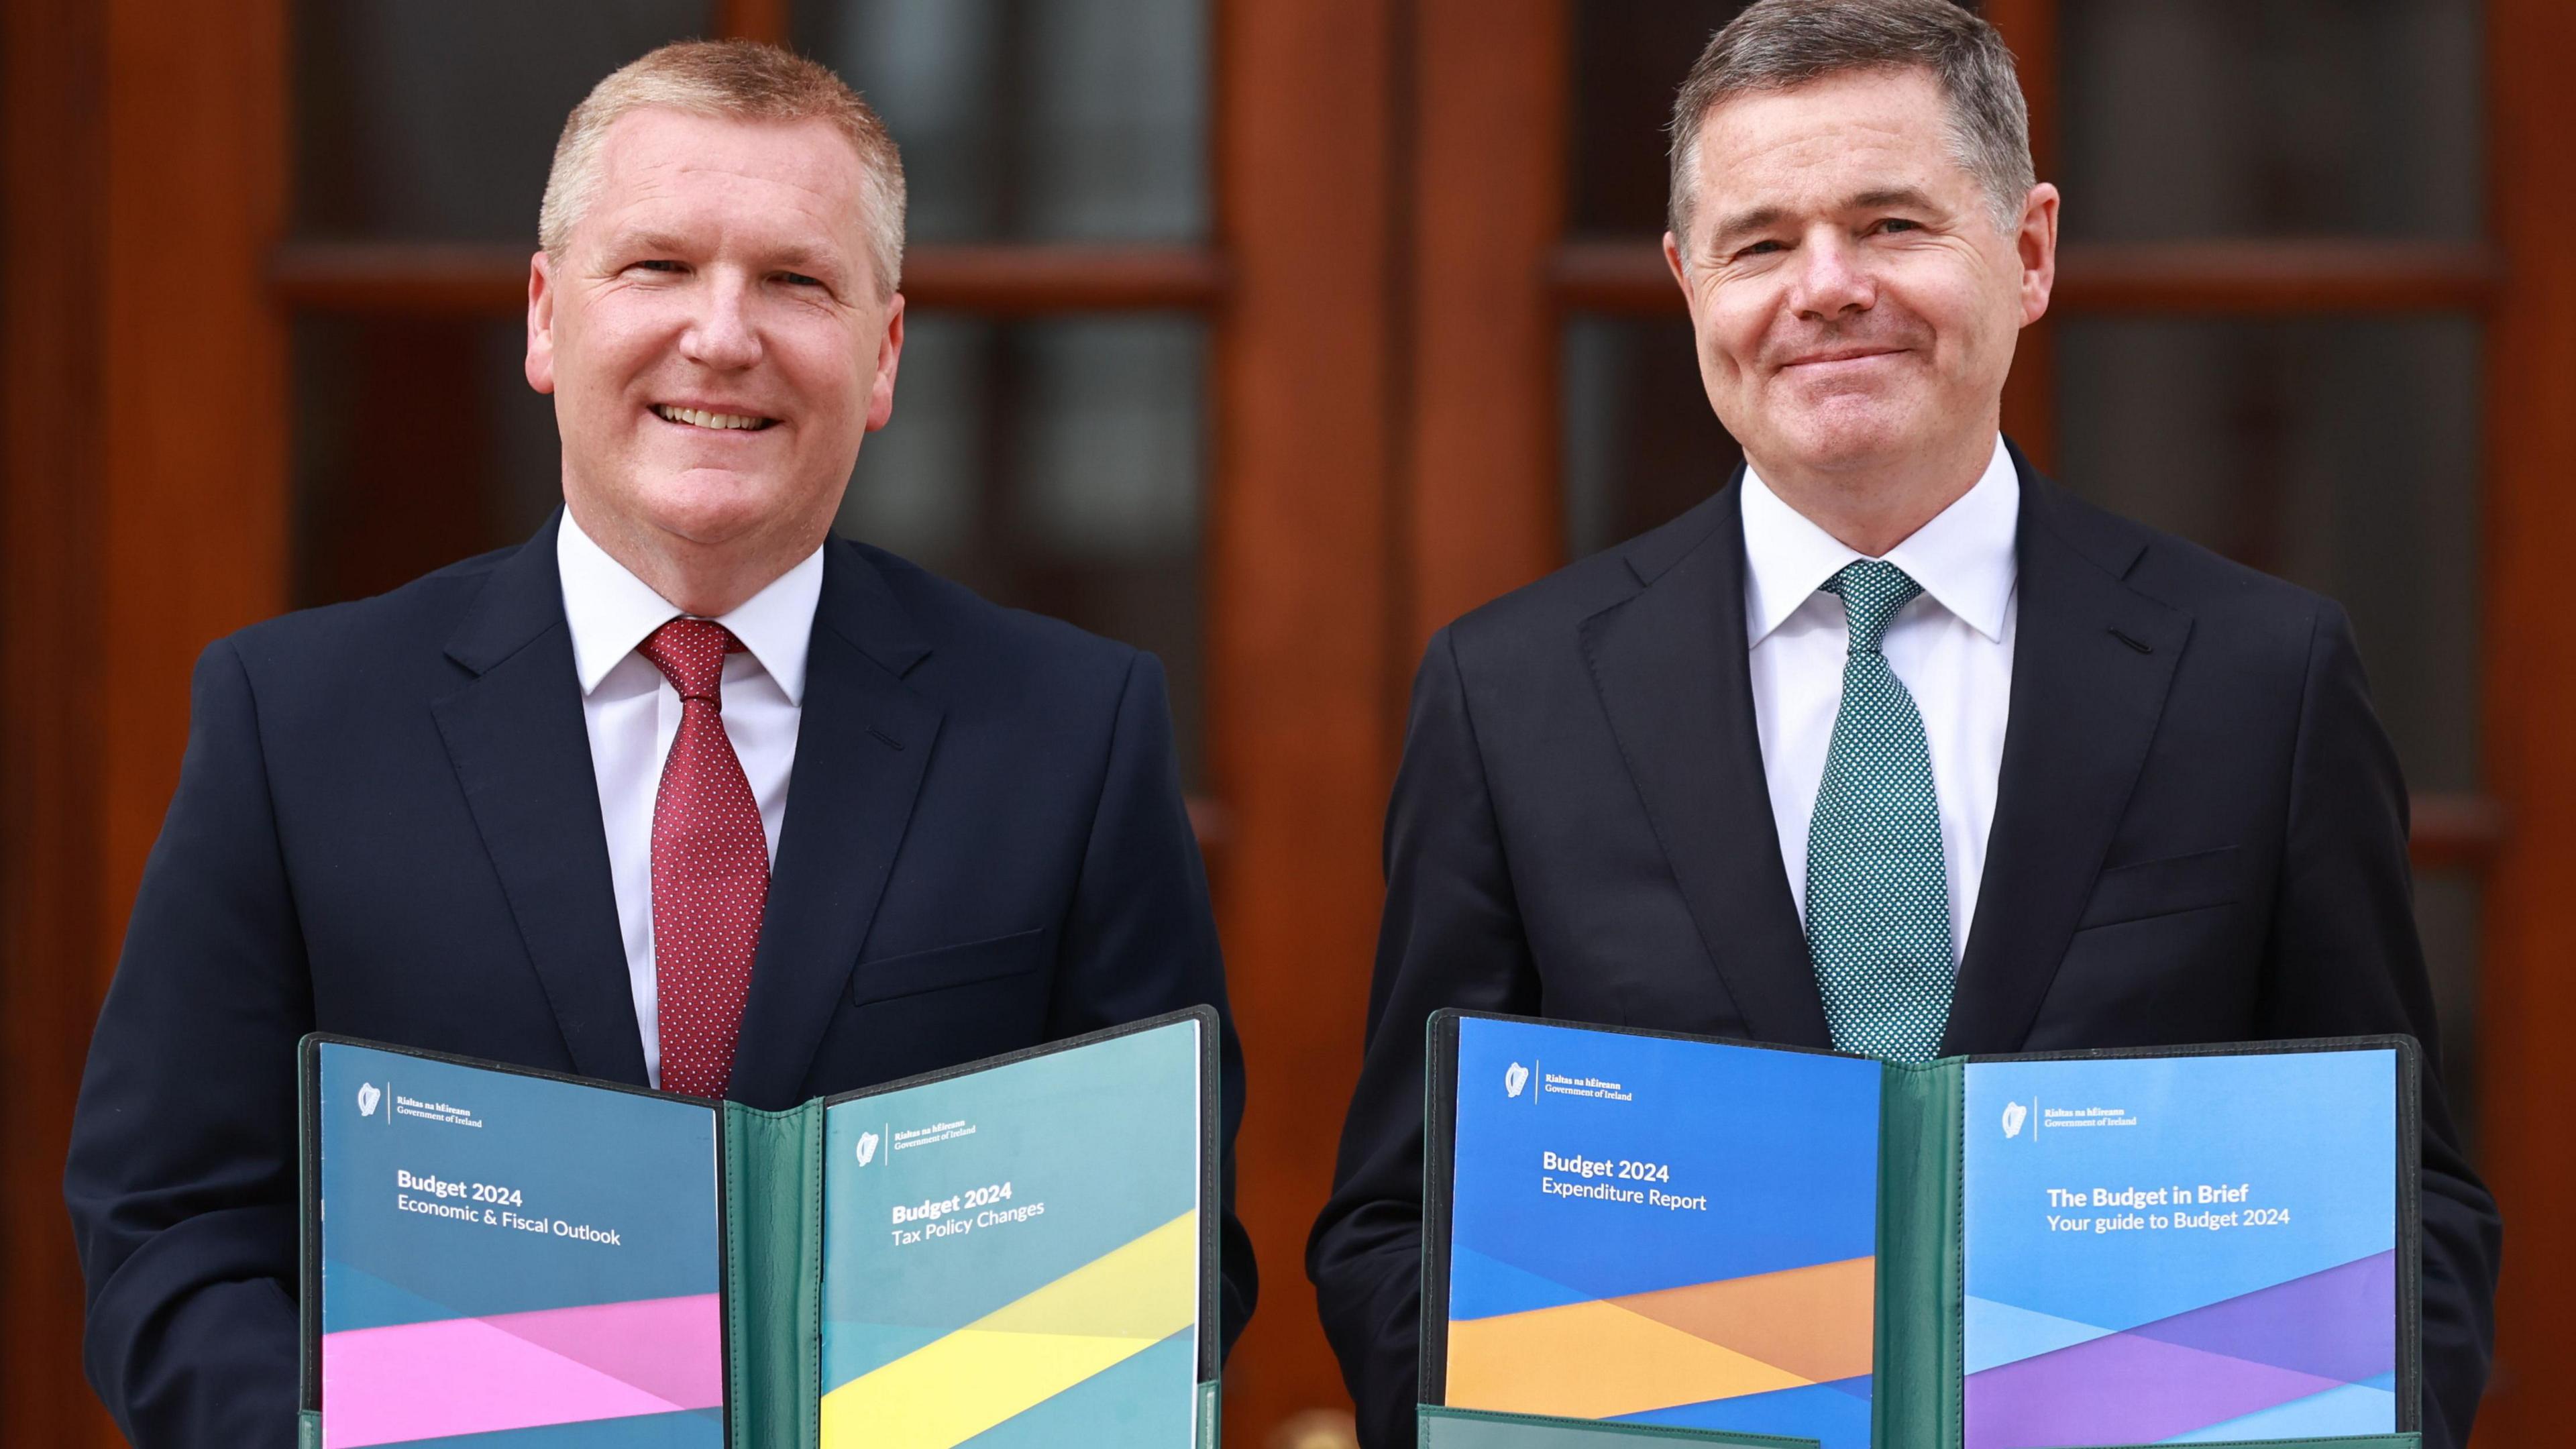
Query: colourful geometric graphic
513,1261
1007,1362
1662,1231
1613,1357
2181,1249
1013,1258
444,1377
2296,1352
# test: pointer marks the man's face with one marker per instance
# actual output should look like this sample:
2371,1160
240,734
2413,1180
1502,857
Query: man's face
712,333
1854,301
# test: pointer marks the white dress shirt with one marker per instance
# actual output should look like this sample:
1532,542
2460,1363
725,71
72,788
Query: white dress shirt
1952,647
633,714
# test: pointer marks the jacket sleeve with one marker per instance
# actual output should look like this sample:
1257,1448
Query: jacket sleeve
2345,959
1141,937
182,1174
1451,937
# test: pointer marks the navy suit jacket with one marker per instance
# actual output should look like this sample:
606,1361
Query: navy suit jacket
387,826
2199,836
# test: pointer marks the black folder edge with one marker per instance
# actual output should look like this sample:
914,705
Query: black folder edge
1440,1125
730,1120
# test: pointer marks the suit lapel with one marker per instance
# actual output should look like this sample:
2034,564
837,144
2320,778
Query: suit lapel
862,745
522,756
1669,663
2091,663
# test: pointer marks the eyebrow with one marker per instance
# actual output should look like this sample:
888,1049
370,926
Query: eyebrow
1906,196
1744,221
795,257
646,241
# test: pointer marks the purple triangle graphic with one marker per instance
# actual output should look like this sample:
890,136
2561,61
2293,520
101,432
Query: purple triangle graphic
2340,1324
2197,1368
2122,1389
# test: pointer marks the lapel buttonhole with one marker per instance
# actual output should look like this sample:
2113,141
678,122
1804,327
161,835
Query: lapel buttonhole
2140,645
889,741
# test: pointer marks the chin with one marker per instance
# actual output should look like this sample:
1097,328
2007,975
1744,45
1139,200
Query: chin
1837,439
707,505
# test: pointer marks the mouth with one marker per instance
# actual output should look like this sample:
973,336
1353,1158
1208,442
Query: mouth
710,420
1840,355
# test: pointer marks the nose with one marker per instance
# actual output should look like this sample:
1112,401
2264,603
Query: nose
1832,282
723,334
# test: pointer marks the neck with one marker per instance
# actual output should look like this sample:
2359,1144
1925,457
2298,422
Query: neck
1872,510
708,581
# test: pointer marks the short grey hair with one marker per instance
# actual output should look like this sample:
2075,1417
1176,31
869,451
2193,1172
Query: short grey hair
740,80
1778,45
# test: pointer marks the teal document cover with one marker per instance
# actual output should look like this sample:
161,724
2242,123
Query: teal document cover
512,1260
2190,1245
1013,1256
1020,1251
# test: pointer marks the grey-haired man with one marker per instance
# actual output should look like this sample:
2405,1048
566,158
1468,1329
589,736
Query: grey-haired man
2141,798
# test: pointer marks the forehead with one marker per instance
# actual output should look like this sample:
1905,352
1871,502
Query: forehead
1842,135
667,164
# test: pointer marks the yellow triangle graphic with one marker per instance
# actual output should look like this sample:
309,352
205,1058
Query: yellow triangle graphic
1026,1352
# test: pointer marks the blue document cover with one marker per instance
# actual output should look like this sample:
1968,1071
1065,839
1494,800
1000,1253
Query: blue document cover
1017,1259
1656,1230
513,1261
2181,1249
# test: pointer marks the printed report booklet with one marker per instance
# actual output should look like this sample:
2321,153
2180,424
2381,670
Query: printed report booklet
1012,1254
1715,1242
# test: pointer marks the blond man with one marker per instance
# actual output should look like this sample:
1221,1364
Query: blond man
683,791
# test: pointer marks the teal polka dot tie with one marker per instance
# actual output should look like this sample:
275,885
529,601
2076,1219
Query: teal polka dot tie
1878,900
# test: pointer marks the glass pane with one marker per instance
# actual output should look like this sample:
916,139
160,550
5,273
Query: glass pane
1641,443
388,487
1034,120
1629,59
2207,118
436,122
1056,466
2339,453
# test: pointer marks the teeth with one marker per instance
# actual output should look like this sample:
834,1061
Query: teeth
697,419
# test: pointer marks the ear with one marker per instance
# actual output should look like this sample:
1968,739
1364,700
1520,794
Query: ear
2036,245
889,357
541,324
1681,273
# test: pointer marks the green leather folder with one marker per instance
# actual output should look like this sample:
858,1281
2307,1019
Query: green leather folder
1916,1367
1026,1243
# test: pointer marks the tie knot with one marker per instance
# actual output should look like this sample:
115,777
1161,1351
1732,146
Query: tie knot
691,654
1872,591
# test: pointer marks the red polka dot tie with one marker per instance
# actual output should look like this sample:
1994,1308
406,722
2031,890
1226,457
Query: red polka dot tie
710,867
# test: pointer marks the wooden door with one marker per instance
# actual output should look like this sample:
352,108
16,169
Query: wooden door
1402,344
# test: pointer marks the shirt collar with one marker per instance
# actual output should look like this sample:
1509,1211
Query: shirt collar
1963,558
611,611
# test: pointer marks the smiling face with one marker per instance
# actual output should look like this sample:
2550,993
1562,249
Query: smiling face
1855,303
715,343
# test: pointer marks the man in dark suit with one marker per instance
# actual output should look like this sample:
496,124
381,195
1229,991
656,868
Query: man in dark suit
681,791
1891,745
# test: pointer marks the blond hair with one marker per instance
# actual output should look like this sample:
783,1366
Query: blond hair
742,80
